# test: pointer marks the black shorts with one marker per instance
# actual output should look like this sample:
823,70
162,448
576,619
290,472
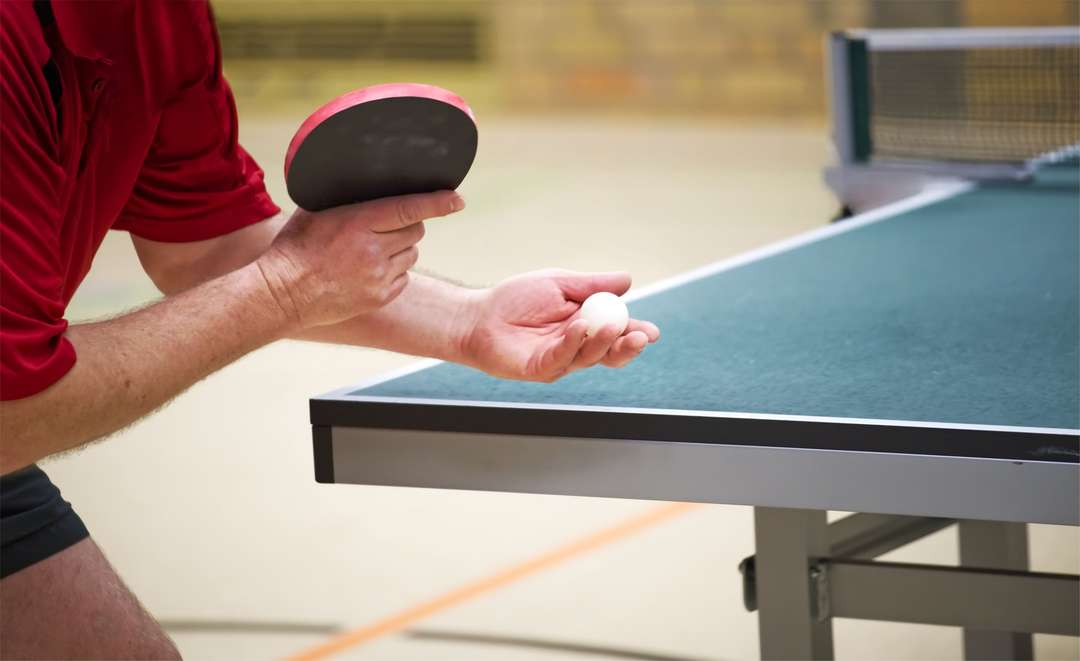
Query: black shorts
35,521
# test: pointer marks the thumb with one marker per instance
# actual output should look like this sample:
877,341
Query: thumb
579,286
393,213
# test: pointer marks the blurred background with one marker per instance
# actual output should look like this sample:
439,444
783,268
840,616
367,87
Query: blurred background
646,135
701,58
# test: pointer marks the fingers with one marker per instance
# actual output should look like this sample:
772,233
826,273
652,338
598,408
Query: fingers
396,287
394,213
403,261
577,351
559,358
399,240
626,348
596,347
647,327
579,286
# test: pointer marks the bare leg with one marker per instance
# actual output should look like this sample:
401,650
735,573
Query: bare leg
74,606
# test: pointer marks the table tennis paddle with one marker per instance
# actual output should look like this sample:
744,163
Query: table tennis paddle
379,141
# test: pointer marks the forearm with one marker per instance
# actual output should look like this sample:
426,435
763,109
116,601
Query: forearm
430,318
131,365
427,319
423,321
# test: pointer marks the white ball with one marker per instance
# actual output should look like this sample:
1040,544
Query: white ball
605,309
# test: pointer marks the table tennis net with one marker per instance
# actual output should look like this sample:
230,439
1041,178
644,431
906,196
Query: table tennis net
981,103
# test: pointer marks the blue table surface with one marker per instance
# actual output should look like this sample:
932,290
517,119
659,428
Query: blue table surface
966,311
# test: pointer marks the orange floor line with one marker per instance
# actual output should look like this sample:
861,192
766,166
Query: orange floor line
411,615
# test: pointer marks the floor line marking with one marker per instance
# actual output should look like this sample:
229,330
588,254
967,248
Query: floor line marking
413,614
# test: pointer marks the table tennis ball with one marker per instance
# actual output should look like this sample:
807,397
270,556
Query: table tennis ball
604,309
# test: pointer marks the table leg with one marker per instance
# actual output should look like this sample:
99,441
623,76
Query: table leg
995,545
790,619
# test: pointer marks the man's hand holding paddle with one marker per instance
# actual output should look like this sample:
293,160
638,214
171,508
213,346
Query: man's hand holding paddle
329,266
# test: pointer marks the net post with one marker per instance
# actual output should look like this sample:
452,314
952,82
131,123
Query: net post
840,97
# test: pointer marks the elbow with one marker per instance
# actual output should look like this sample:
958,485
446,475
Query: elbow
21,437
9,443
7,467
12,458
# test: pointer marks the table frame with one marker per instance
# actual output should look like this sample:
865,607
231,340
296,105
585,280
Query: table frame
853,481
807,572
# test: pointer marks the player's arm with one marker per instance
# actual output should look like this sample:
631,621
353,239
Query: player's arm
523,328
132,364
486,328
315,273
428,319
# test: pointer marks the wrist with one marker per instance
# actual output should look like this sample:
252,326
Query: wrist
270,299
466,326
272,277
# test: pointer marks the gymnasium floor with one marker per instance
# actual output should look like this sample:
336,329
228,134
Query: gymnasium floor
210,512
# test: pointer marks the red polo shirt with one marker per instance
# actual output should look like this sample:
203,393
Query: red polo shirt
113,115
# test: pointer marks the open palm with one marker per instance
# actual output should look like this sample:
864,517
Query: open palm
527,327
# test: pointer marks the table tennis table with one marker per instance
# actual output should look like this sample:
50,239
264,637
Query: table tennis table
918,365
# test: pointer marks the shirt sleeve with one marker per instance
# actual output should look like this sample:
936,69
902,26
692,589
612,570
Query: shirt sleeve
33,351
197,182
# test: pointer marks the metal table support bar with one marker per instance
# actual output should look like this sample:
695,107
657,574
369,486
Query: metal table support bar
867,536
815,571
998,546
988,599
859,537
791,622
